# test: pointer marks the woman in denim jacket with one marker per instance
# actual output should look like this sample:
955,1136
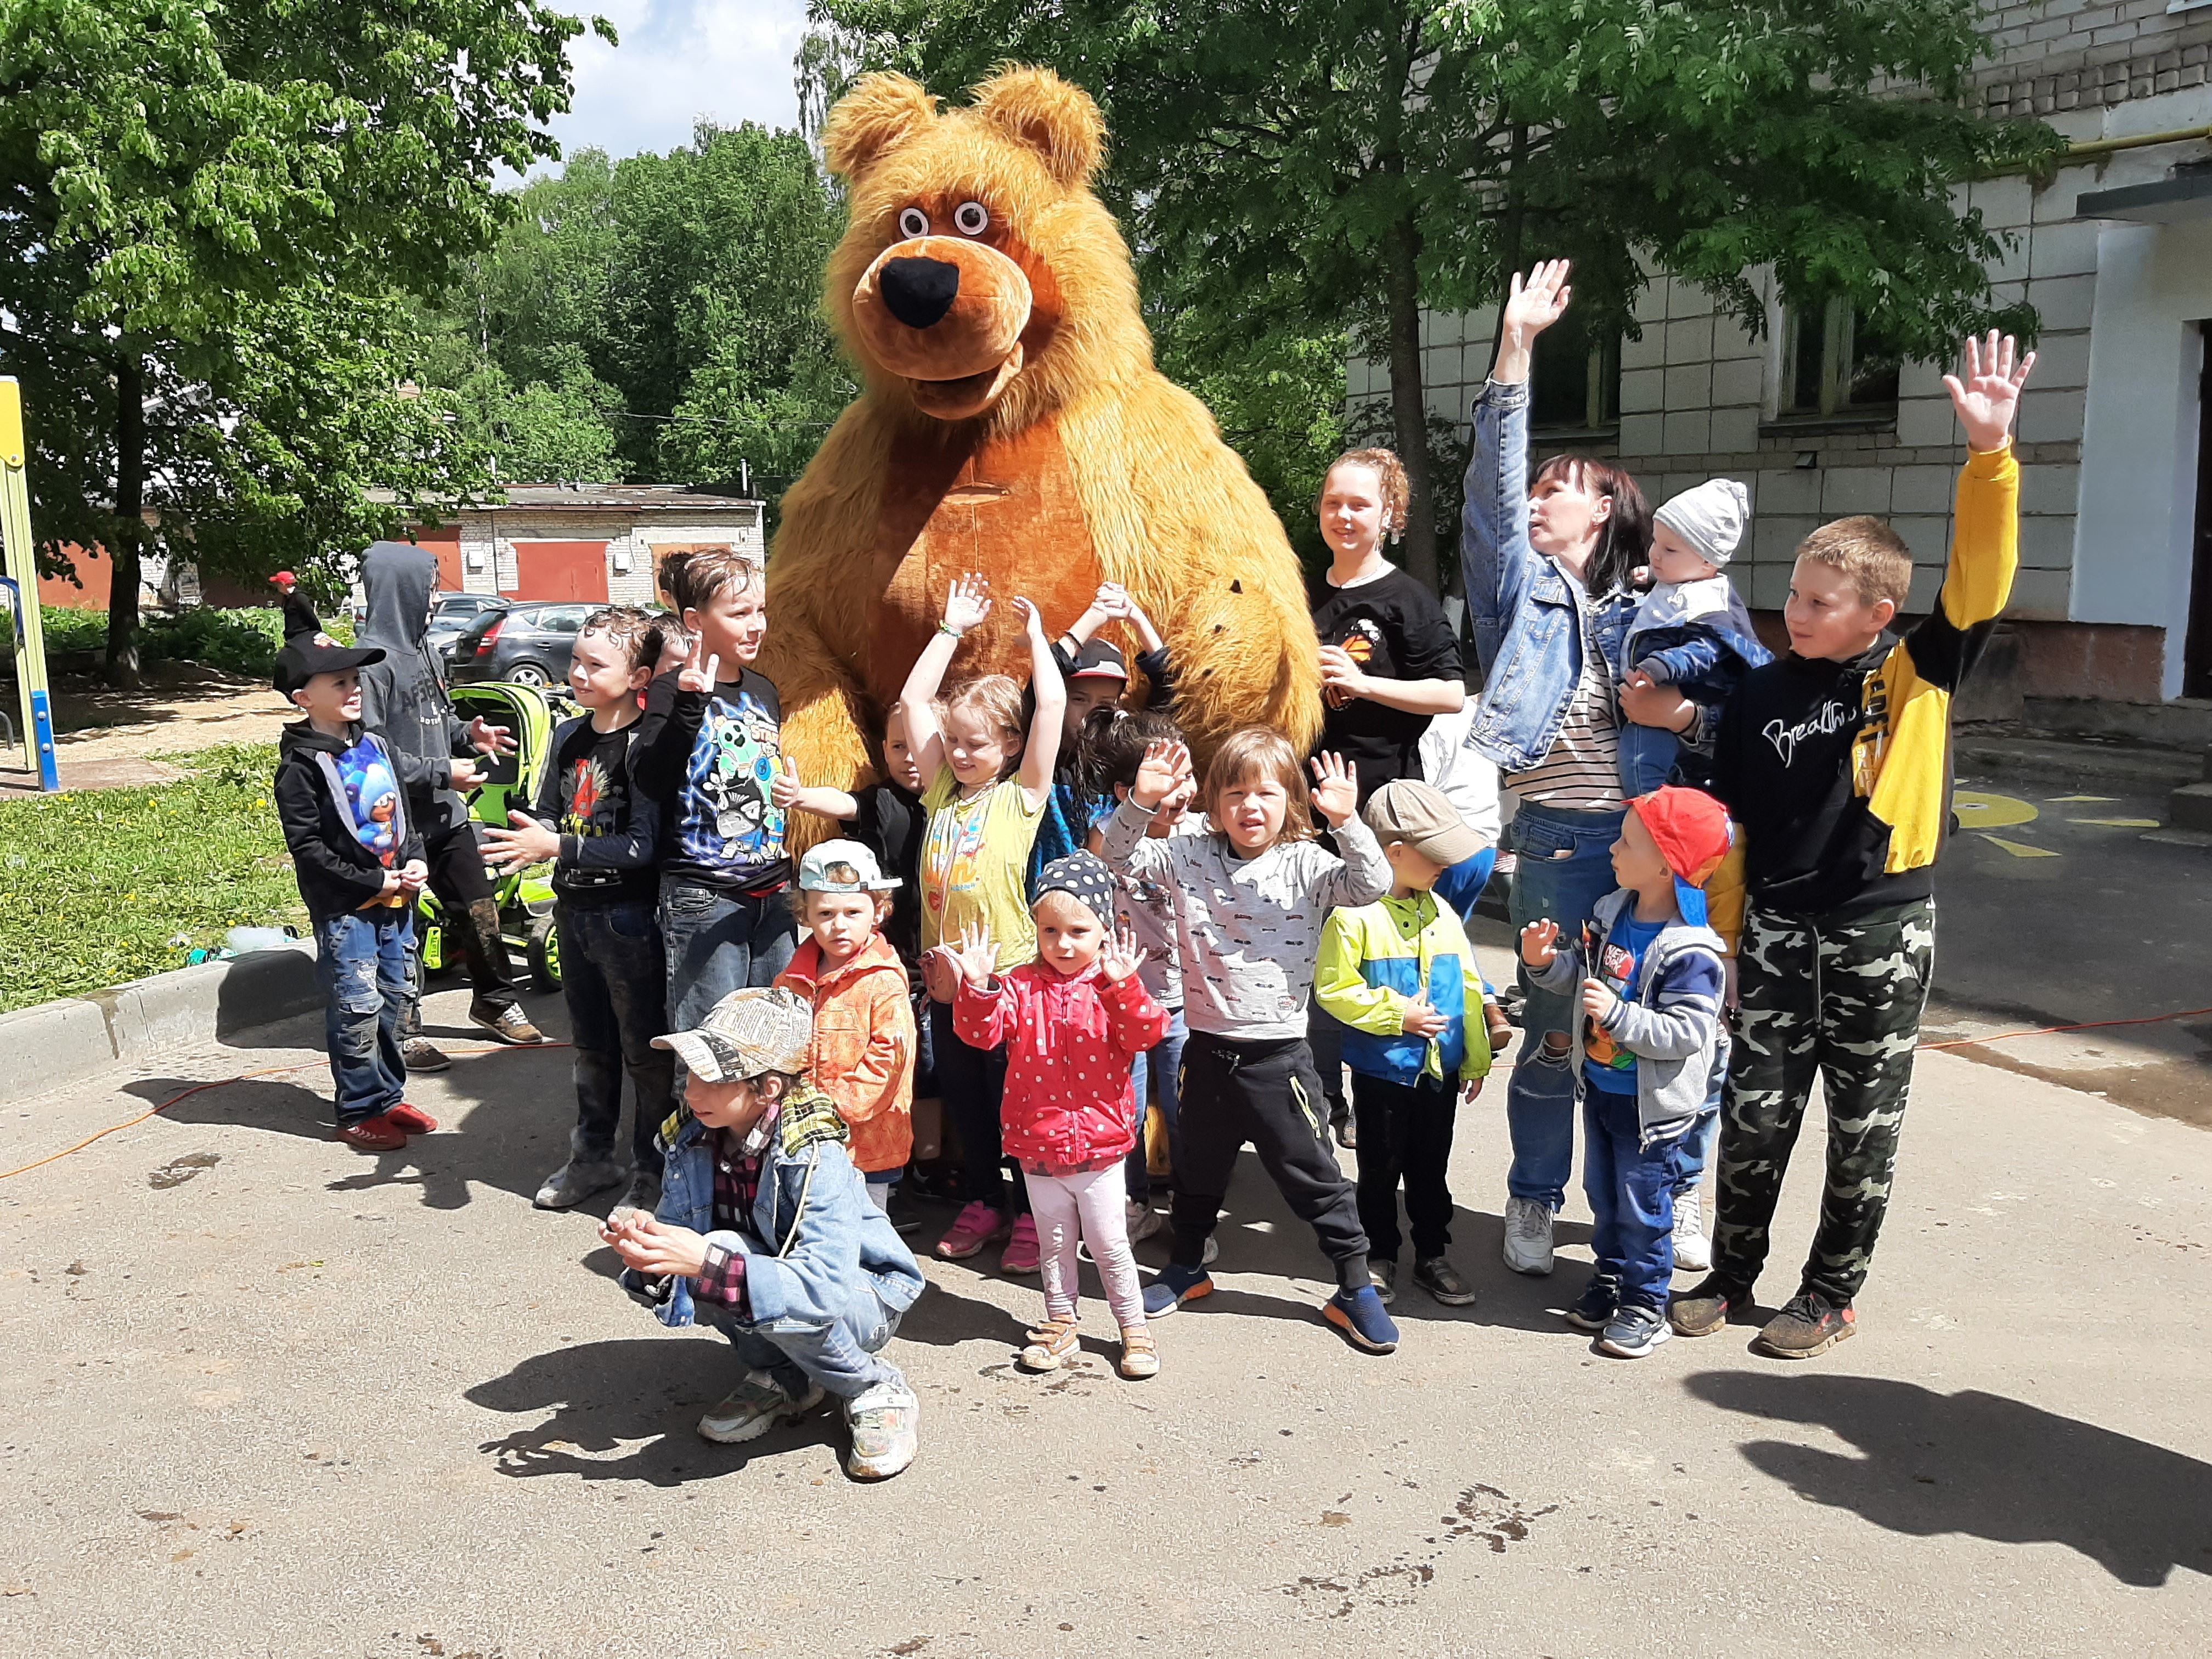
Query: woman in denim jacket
1547,568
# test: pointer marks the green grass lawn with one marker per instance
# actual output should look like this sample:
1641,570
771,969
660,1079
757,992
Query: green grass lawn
94,886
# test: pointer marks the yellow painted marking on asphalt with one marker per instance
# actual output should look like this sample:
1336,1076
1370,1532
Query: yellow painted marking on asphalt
2119,823
1979,809
2082,801
2020,849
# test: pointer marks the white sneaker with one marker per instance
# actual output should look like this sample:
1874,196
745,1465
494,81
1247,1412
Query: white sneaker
1527,1235
1143,1221
1692,1254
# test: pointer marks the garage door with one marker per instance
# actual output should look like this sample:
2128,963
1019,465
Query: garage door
560,571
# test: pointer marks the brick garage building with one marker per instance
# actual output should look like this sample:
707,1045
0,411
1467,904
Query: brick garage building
2114,600
592,543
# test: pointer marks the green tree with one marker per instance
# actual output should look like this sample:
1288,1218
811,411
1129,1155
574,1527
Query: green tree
204,211
1349,165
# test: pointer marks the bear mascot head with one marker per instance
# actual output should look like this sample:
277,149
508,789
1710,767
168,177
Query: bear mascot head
1013,423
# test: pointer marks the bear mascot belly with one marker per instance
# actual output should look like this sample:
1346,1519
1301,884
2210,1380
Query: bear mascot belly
1012,424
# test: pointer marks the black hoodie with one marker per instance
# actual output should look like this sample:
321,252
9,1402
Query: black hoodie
403,698
337,873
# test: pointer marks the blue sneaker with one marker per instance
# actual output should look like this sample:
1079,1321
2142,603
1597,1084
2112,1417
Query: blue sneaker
1595,1308
1359,1314
1175,1287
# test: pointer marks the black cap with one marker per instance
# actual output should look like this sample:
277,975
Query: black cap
310,654
1100,659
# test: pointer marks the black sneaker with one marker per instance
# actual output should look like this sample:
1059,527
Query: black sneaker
1706,1307
1442,1282
1808,1324
1595,1308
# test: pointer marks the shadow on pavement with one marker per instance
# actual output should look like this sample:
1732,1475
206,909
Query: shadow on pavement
1981,1465
601,1406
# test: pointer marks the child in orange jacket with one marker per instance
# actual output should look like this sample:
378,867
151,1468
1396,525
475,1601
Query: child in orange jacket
862,1056
1073,1022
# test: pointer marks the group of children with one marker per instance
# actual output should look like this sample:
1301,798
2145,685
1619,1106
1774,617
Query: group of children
1045,896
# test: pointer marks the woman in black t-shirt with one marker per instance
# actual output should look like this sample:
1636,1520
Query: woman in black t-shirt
1388,665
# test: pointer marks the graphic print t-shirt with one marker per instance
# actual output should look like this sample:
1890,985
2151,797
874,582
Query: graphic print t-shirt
1392,629
974,866
1619,963
372,799
729,831
592,771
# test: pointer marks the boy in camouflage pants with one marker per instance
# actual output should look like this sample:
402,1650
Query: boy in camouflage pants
1835,762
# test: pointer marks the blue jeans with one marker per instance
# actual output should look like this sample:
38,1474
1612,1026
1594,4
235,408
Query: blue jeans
614,976
972,1082
1698,1146
1565,867
1647,757
361,962
1631,1193
717,943
845,1358
1158,1078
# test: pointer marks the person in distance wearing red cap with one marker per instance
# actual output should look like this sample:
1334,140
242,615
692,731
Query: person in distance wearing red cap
300,617
1648,1053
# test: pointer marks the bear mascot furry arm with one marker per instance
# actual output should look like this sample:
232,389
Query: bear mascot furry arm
1013,423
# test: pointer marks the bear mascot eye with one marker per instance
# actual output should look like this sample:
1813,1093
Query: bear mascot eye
913,222
971,218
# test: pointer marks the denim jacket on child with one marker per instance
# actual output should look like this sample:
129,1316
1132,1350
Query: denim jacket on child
1522,610
815,1239
1672,1025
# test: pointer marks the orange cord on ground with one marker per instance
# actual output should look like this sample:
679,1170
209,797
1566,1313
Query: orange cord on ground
2053,1030
243,1076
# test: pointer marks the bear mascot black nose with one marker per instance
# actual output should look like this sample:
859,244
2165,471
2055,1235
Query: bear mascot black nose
919,291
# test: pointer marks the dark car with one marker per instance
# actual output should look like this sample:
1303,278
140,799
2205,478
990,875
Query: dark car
452,615
523,644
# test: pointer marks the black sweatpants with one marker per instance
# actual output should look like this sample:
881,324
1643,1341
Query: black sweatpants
1265,1094
1405,1132
464,887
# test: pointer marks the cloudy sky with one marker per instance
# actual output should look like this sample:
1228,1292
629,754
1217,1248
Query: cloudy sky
678,60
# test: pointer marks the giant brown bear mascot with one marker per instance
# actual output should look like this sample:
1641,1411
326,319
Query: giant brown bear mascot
1013,424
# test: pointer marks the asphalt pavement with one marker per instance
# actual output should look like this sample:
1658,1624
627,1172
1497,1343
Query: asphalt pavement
268,1395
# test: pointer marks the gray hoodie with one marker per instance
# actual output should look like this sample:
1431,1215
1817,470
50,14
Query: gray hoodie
403,698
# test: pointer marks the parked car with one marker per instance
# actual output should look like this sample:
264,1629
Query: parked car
522,644
452,615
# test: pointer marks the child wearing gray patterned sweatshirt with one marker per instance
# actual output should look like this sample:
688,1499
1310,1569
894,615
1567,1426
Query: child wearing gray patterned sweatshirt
1249,900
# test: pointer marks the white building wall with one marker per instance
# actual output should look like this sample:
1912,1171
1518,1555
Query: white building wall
488,539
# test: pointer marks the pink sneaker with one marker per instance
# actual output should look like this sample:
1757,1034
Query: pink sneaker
1021,1256
972,1228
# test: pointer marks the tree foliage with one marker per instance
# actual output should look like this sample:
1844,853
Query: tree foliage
208,212
1300,168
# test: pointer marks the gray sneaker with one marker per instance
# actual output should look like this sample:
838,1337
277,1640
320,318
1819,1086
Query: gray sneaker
421,1054
1527,1235
753,1408
576,1181
1633,1332
886,1423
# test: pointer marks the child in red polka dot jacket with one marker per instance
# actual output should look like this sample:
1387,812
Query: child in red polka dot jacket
1073,1022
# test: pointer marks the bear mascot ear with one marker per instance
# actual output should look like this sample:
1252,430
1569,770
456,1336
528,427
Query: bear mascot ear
1036,107
881,112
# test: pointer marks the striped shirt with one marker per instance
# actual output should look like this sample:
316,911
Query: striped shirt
1581,771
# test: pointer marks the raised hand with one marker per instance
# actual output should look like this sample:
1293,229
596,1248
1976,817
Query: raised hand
1988,397
977,955
1539,943
1336,788
701,667
1533,304
1032,619
1599,1000
1423,1019
489,739
785,788
1165,768
968,602
1111,601
1122,957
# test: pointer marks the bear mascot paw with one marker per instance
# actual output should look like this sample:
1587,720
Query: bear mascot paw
1012,424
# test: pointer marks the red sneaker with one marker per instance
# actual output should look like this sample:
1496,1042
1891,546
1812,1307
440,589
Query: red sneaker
413,1119
373,1134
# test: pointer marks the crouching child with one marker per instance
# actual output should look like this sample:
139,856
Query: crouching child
764,1232
1649,1051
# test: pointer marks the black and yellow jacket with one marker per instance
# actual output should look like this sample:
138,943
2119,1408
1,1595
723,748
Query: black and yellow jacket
1839,774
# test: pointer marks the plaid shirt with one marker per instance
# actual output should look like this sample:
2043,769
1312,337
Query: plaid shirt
737,1182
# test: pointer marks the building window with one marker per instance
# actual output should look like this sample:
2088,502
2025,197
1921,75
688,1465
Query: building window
1834,366
1575,381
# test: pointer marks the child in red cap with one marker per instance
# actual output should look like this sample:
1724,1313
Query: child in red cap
1648,1053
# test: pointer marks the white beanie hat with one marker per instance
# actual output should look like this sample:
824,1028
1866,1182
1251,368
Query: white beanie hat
1711,518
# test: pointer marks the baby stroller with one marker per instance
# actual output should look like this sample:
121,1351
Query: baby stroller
511,782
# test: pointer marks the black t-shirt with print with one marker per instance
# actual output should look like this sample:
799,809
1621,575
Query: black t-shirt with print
607,829
1393,630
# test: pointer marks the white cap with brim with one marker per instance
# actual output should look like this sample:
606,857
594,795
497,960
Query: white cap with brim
746,1033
